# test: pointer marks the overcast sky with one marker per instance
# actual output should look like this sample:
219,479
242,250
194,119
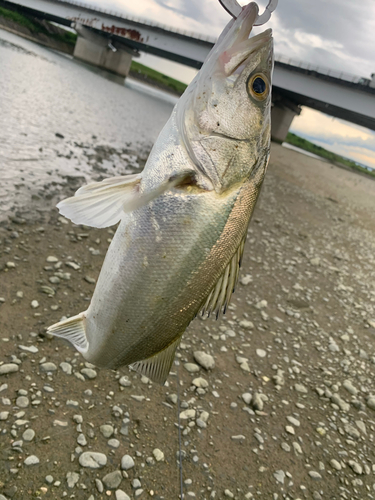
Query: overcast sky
337,34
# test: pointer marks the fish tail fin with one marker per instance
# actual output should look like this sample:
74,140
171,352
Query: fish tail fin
72,329
102,204
157,367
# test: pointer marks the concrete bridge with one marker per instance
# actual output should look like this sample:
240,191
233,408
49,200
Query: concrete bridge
110,40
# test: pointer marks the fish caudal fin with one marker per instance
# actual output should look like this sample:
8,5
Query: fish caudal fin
157,367
102,204
72,329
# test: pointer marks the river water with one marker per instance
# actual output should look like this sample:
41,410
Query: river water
63,123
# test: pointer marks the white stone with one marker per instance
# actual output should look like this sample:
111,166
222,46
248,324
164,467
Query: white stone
127,462
158,454
92,459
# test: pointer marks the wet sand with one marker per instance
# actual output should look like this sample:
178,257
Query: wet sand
290,401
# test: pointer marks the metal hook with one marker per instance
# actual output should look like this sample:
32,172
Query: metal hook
234,9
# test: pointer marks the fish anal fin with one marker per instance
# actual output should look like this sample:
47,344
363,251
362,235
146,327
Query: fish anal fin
74,330
220,295
157,367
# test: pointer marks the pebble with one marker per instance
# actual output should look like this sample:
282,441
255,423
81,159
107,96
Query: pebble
66,368
261,353
106,430
89,373
113,443
200,383
92,460
4,415
31,460
370,401
34,304
293,421
112,480
22,402
314,475
246,279
158,455
246,324
8,368
335,464
247,397
127,462
257,402
121,495
30,348
239,437
186,414
28,435
191,367
52,259
72,479
205,360
350,387
48,367
300,388
279,475
356,467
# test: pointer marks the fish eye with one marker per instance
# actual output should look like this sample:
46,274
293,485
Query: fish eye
257,86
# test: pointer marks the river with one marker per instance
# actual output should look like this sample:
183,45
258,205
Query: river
64,123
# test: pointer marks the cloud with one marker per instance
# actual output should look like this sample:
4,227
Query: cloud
355,142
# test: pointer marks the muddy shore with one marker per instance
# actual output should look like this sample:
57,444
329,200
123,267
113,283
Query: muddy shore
288,410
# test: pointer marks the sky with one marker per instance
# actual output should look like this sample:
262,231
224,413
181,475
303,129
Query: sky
336,34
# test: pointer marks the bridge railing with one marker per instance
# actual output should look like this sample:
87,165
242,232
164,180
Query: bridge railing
322,70
147,22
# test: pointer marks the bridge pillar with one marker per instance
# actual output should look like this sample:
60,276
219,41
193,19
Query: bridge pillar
282,114
99,51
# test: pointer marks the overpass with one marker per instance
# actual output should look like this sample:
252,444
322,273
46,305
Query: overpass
110,40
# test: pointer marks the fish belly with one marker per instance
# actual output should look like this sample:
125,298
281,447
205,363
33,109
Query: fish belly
162,264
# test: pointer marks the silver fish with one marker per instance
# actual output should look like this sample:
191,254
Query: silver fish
184,219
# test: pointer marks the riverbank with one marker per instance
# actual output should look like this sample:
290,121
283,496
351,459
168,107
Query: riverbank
39,31
289,408
54,37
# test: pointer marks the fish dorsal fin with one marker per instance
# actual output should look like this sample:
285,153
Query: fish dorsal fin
220,295
157,367
72,329
102,204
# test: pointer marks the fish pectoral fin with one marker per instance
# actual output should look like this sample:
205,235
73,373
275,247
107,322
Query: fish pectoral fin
220,295
102,204
72,329
158,366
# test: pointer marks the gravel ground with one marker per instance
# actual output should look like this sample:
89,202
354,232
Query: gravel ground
282,406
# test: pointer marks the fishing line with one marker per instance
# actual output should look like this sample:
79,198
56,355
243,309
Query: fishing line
179,429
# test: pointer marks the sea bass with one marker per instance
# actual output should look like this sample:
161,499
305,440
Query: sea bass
184,219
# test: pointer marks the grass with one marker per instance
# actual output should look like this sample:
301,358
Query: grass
37,28
298,141
152,75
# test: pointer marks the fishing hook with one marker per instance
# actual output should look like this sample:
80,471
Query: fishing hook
234,9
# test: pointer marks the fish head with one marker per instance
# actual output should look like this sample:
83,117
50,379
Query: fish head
224,118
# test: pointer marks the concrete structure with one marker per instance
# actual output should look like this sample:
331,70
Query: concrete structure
109,40
139,35
97,50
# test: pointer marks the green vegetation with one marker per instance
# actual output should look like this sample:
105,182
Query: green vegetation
153,76
298,141
37,27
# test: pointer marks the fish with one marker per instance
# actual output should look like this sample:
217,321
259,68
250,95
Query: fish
184,219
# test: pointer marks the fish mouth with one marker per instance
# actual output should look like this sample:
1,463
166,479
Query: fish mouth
241,47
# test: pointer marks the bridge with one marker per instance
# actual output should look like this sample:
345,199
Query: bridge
110,40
